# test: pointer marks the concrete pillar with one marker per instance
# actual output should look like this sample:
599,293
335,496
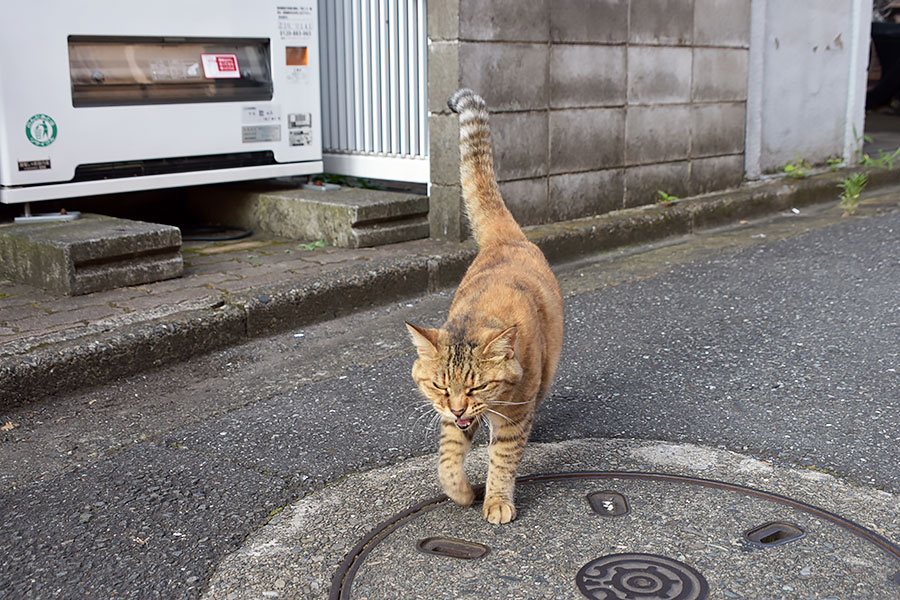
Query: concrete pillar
807,73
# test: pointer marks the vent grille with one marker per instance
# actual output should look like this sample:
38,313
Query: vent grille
374,77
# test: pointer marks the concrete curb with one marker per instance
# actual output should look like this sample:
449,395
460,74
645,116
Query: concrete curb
60,366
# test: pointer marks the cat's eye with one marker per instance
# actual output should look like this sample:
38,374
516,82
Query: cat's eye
478,388
439,387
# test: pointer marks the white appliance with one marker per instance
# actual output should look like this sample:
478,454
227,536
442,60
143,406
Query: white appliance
104,96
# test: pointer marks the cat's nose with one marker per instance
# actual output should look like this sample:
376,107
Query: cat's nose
459,412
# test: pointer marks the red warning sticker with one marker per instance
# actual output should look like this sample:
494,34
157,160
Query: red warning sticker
220,66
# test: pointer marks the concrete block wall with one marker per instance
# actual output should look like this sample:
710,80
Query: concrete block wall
595,104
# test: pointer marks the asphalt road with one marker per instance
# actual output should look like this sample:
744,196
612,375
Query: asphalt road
779,340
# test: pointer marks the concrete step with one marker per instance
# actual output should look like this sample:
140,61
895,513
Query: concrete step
90,254
346,218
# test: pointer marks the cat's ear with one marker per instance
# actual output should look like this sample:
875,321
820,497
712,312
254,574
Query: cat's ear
425,340
502,346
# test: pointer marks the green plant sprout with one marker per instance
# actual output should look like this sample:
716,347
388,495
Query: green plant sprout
797,168
852,186
860,141
312,245
834,163
665,199
885,160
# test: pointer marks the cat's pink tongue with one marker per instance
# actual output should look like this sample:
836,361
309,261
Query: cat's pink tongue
463,422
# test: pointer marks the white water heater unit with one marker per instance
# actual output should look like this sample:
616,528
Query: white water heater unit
105,96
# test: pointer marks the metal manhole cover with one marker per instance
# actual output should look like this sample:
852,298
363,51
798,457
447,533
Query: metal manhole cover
681,538
643,576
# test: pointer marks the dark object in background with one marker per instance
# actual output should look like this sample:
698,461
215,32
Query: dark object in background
886,39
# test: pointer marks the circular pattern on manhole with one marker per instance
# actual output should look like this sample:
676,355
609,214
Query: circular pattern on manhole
640,576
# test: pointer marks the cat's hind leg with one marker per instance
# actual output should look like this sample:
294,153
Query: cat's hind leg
455,444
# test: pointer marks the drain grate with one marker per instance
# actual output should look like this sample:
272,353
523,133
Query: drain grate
452,547
608,503
774,534
644,576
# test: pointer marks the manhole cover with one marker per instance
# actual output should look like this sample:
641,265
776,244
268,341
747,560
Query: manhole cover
643,576
671,538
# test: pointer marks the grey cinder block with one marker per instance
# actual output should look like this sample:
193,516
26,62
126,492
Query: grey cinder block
91,254
722,23
578,195
443,74
663,22
504,20
520,144
717,173
642,183
443,144
508,76
445,215
443,20
586,139
589,21
659,75
717,129
720,74
583,76
527,200
657,133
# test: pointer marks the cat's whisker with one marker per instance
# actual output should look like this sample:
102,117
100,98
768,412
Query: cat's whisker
428,424
508,403
429,427
484,419
419,419
511,422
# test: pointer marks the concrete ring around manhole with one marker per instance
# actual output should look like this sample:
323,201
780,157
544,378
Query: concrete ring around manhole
617,535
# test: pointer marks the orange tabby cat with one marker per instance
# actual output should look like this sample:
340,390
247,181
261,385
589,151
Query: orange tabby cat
493,359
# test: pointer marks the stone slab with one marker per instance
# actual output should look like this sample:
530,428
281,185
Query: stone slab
91,254
347,218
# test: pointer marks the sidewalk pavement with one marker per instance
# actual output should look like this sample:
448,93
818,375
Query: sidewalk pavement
234,291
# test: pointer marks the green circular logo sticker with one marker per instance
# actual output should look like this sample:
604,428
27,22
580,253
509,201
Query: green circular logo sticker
41,130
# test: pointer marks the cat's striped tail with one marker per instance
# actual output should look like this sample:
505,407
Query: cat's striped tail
491,221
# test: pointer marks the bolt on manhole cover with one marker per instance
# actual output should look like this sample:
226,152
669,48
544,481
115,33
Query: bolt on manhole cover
671,538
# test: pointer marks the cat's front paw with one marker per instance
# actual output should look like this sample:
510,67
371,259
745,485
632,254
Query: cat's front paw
462,494
498,511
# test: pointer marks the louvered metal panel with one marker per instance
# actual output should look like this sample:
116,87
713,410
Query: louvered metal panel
374,88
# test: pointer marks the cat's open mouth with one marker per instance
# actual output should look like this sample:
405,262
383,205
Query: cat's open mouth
463,423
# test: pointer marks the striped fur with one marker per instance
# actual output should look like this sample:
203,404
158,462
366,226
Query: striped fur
492,361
